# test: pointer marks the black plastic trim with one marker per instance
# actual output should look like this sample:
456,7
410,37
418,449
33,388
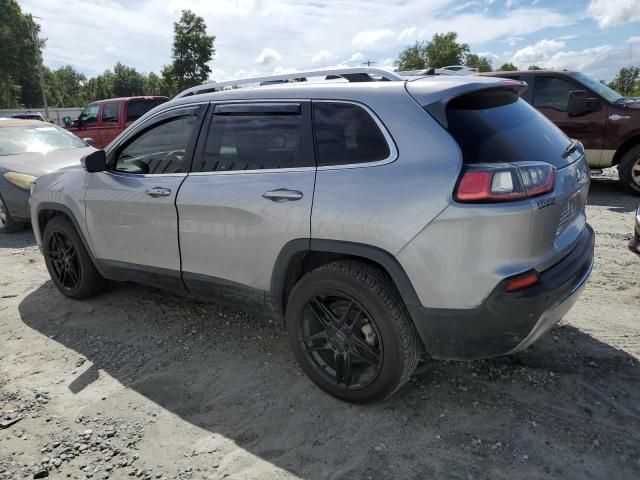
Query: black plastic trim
226,292
165,278
504,320
304,245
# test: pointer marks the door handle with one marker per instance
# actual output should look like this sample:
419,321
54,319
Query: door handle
282,195
156,192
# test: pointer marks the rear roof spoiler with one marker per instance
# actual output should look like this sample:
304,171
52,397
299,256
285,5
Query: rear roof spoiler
438,108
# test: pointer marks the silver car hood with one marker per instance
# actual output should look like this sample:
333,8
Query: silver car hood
37,164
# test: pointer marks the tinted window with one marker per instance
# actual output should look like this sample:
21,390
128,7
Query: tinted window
90,114
137,108
495,126
346,134
552,93
253,141
110,112
160,149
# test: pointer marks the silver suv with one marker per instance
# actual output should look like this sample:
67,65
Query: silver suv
384,219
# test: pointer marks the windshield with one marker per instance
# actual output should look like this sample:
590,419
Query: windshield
598,87
36,139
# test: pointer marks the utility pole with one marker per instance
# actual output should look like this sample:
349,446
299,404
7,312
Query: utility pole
368,63
36,44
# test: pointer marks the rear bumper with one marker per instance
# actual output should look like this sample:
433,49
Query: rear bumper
634,244
508,322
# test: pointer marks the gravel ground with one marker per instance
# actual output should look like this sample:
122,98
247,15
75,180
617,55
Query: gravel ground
138,383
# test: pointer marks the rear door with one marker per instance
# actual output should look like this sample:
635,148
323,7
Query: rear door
551,97
110,117
249,193
130,208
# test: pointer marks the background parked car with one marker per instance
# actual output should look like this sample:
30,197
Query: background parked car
29,116
607,123
103,120
28,149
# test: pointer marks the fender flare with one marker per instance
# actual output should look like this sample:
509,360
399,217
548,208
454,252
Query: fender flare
368,252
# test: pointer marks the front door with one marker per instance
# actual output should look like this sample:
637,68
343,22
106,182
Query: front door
130,209
110,117
551,98
250,193
88,125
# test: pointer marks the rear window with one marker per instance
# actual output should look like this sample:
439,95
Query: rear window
495,126
137,108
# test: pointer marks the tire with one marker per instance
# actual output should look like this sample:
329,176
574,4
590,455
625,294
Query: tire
629,170
7,223
375,348
64,251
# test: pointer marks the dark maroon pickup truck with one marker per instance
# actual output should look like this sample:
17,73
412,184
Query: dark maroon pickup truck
102,121
607,123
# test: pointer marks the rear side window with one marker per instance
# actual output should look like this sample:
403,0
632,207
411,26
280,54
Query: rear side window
495,126
254,137
346,134
137,108
110,112
551,92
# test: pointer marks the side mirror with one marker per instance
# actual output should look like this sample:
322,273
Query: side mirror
94,162
580,103
89,141
67,121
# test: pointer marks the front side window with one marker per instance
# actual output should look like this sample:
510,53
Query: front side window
89,114
161,149
251,139
346,134
552,92
110,112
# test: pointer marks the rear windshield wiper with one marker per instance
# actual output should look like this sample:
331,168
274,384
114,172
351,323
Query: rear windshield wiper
572,147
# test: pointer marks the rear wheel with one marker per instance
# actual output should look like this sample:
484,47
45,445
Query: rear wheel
629,170
350,332
68,261
7,223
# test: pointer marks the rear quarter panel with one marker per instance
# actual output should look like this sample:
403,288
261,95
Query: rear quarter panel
387,205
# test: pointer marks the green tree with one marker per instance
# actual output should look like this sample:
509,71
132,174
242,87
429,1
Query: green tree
443,50
626,82
192,49
507,67
153,84
412,57
18,57
66,87
127,81
534,67
483,64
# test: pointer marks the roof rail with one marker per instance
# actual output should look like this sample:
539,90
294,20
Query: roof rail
357,74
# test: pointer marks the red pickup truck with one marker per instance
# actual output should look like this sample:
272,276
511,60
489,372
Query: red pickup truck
102,121
607,123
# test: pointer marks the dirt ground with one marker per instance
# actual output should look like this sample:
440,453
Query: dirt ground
138,383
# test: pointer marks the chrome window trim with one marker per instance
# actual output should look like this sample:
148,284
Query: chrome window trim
144,175
393,150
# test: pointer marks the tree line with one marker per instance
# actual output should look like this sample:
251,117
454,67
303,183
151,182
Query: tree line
192,50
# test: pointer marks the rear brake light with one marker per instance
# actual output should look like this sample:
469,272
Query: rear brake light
504,182
523,281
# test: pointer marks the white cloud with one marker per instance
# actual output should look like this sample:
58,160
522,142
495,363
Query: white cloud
609,13
267,56
633,40
538,51
357,57
408,34
322,56
368,38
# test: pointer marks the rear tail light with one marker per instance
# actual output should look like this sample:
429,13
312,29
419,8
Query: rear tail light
504,182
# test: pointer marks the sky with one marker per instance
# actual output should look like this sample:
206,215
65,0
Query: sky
264,37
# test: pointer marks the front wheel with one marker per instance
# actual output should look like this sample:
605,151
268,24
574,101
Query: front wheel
350,332
68,261
629,170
